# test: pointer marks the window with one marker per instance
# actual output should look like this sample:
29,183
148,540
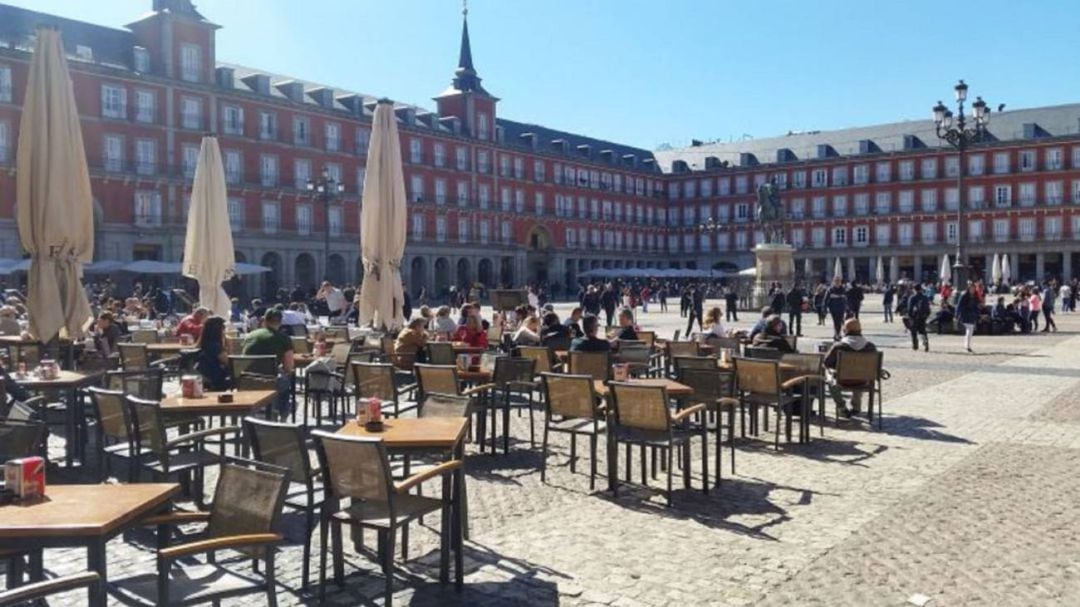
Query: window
142,59
233,117
538,203
1076,191
440,229
975,230
907,170
190,153
742,212
862,204
333,172
190,63
952,166
742,185
1025,229
929,168
504,199
144,106
798,209
882,172
113,101
271,217
482,126
519,201
819,207
303,219
504,231
461,155
1027,161
820,178
440,191
950,232
1076,157
234,167
335,220
301,173
1003,196
519,168
839,238
191,113
928,232
462,193
267,126
6,93
976,197
539,171
482,164
483,195
268,170
976,164
928,201
1001,163
839,206
798,238
301,130
504,165
416,188
236,214
147,208
114,153
882,233
333,136
861,174
952,199
463,230
706,188
862,236
905,233
417,226
5,146
145,153
839,176
361,175
1054,159
1001,230
906,201
439,154
1051,228
741,241
363,139
882,203
723,186
485,232
1027,194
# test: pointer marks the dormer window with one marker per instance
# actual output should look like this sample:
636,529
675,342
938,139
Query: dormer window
142,60
190,63
84,53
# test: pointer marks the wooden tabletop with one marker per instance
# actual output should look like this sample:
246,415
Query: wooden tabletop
244,401
413,432
461,347
168,347
65,379
674,388
474,375
83,510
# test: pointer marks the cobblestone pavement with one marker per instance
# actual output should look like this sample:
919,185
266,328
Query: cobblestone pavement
967,496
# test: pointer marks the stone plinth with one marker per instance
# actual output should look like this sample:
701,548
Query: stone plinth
775,263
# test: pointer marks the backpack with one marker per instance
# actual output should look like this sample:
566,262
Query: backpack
919,307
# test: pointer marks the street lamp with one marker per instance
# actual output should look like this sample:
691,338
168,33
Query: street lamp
709,227
956,132
326,190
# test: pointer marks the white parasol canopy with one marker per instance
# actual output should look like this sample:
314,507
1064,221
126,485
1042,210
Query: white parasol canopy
55,213
838,270
1006,269
209,256
894,269
946,269
995,270
879,271
382,224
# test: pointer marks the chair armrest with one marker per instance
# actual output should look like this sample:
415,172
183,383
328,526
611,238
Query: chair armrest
687,412
416,479
218,543
478,389
40,590
177,518
727,400
791,383
201,434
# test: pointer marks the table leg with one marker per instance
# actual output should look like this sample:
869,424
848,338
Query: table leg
459,454
69,427
96,562
612,465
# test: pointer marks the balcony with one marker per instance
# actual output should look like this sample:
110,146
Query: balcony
271,225
1053,235
148,220
145,168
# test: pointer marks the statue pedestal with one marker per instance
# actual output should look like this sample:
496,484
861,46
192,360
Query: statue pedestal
775,263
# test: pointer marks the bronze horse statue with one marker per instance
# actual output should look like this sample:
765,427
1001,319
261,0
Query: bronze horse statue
770,214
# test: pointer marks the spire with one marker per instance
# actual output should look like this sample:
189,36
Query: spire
465,78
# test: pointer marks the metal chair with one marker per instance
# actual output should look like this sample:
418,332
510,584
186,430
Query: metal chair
595,364
514,382
133,356
28,352
358,469
759,384
19,438
810,364
543,356
144,336
639,357
440,353
141,383
114,436
861,372
300,344
715,388
37,592
692,362
434,380
572,408
379,380
763,353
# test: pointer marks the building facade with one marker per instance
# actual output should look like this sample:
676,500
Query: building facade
497,201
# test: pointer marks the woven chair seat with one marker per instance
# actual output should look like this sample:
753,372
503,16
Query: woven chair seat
578,425
376,514
768,399
185,460
655,437
851,384
188,585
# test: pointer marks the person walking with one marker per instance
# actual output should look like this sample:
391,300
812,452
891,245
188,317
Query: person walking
836,303
661,296
819,303
795,299
695,309
609,300
1035,304
855,297
1049,296
731,304
887,302
967,312
918,310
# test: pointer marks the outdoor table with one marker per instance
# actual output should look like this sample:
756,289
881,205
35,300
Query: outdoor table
474,375
461,347
70,381
168,348
81,515
244,402
674,388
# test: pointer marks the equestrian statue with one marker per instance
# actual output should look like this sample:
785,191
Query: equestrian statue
770,213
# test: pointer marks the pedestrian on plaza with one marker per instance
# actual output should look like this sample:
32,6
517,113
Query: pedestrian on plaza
645,294
887,301
819,303
836,302
967,312
1049,296
1066,295
731,304
777,300
573,323
795,299
854,295
696,309
1035,305
918,311
661,296
609,300
852,341
684,302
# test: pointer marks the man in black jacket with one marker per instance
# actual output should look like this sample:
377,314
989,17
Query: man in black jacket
854,298
887,301
836,304
696,308
609,300
731,303
794,304
918,310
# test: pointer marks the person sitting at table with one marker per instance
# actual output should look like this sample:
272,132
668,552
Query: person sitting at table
268,340
626,326
442,323
772,336
106,334
573,323
714,325
852,341
553,330
528,332
293,321
9,324
191,325
472,332
759,326
212,361
590,342
465,313
412,340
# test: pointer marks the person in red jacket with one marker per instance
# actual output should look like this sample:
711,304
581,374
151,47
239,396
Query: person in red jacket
192,324
472,332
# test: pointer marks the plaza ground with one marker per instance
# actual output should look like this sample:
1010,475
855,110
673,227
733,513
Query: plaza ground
968,496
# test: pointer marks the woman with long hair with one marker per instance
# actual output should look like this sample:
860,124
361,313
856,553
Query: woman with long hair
213,359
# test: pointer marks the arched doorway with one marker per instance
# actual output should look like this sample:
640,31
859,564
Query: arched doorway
506,271
569,275
483,272
272,279
442,277
463,276
539,244
304,270
417,275
336,269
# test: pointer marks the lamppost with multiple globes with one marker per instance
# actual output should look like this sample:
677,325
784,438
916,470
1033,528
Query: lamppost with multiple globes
956,131
326,190
710,226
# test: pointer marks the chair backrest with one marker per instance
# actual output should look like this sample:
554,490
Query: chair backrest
649,337
763,353
149,424
248,499
634,352
684,348
374,380
511,371
437,379
445,405
858,367
570,395
804,364
144,336
26,411
27,352
142,383
279,444
594,364
300,344
252,364
675,336
494,334
542,356
558,342
133,356
793,341
693,362
719,343
757,376
339,353
386,344
708,384
641,407
354,467
336,332
440,353
111,411
20,439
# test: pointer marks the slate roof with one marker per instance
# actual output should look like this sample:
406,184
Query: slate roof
110,46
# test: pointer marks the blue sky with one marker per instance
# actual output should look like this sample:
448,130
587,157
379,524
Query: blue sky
646,73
